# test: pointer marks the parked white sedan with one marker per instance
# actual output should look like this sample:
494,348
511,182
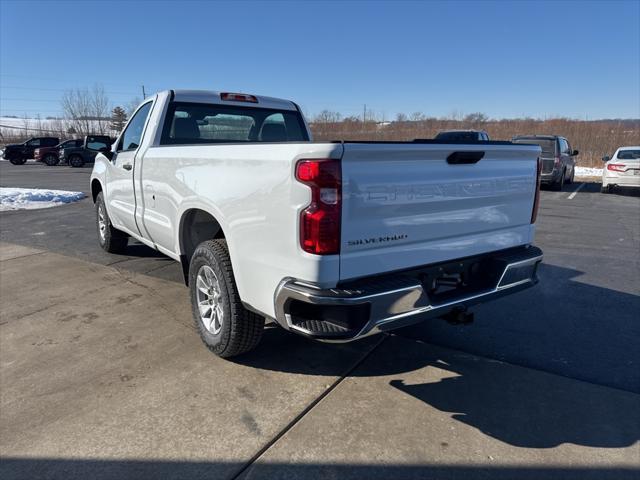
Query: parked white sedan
623,169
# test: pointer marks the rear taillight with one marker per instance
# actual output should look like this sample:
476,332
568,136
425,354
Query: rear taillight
616,167
536,198
320,221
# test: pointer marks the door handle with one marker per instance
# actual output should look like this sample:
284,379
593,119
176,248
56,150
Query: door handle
460,158
127,166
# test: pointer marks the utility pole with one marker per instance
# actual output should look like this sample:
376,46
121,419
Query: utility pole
144,94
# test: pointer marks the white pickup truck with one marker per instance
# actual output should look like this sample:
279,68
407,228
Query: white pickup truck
332,240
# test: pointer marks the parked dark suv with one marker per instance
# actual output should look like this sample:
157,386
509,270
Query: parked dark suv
463,136
19,153
51,155
87,151
558,159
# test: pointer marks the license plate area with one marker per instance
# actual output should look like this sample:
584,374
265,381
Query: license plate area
462,278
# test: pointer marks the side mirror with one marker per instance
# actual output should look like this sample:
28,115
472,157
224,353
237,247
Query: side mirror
575,152
106,151
606,158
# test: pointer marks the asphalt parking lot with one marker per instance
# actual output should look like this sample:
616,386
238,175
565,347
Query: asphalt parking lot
102,374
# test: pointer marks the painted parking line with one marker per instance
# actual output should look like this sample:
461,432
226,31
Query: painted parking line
575,191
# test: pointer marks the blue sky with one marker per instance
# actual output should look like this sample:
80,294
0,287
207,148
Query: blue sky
506,59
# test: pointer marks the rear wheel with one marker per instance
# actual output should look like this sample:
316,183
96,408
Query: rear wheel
111,240
51,159
76,161
557,186
570,179
226,327
606,189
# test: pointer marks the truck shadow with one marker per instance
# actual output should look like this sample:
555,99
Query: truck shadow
561,326
566,329
525,408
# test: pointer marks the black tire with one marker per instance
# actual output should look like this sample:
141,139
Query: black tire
557,186
113,240
18,160
569,180
51,159
607,189
240,329
76,161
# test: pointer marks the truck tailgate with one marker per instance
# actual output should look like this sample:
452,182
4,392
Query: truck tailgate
405,205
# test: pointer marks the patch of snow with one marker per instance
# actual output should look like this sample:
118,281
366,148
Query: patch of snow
588,172
33,198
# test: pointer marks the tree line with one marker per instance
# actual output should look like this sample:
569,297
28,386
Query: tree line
87,111
593,138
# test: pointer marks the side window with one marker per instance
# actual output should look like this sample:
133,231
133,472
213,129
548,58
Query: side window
132,136
34,143
96,143
564,147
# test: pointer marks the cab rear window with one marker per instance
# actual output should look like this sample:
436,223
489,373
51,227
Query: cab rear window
198,123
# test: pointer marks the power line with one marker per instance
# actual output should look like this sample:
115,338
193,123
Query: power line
20,110
27,100
31,129
58,90
66,80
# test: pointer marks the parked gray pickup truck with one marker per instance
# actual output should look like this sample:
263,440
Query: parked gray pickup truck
86,153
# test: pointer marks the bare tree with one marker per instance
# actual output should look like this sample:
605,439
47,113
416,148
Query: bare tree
100,107
86,110
326,116
476,119
76,105
26,124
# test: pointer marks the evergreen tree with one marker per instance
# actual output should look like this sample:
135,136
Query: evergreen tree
118,119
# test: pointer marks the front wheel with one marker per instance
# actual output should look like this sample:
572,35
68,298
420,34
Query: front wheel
51,159
226,327
76,161
111,240
18,160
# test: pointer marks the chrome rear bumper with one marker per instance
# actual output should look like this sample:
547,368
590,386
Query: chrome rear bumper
391,301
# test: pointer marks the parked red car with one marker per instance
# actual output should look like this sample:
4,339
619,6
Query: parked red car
50,155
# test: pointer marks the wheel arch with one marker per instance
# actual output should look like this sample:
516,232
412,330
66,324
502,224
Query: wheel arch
196,225
96,188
